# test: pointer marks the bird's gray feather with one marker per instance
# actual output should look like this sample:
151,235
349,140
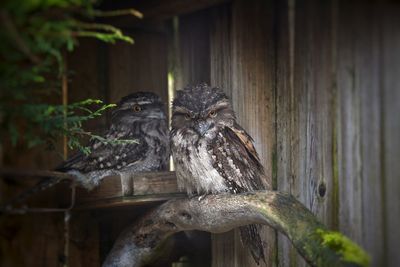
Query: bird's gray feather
213,154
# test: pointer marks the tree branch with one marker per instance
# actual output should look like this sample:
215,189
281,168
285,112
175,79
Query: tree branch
221,213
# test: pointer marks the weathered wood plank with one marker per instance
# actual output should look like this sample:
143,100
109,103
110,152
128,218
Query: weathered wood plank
390,123
138,67
367,79
305,112
242,62
312,84
84,240
287,113
349,142
222,245
86,78
221,47
143,184
349,126
194,48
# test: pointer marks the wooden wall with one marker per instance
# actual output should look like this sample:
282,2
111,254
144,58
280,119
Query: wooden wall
390,132
332,88
314,84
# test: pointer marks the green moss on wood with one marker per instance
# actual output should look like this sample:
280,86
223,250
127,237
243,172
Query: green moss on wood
335,185
335,159
349,251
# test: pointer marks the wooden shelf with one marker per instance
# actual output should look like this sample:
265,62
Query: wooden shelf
147,188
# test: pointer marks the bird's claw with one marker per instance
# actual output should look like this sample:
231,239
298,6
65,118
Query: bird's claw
201,197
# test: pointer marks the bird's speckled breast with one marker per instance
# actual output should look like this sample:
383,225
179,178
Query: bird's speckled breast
155,133
193,164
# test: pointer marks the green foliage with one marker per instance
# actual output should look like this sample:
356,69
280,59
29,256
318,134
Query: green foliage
46,123
34,37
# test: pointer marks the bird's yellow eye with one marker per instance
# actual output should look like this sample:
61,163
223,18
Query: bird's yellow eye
187,116
212,113
137,108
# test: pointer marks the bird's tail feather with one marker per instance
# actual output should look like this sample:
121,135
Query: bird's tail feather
40,186
250,236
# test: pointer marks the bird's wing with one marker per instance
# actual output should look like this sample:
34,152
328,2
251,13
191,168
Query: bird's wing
106,156
245,141
236,159
103,156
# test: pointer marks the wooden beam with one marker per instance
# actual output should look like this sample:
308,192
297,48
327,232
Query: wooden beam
161,9
147,188
154,12
109,192
167,9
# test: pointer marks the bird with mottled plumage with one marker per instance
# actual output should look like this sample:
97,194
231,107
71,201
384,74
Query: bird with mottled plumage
213,153
136,141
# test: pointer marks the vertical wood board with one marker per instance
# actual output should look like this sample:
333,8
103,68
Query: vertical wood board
223,245
390,139
305,112
349,143
242,62
367,79
194,48
138,67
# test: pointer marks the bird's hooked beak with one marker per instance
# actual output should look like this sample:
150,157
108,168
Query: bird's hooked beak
202,126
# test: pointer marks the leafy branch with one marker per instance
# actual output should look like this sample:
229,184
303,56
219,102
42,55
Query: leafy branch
44,123
34,38
74,143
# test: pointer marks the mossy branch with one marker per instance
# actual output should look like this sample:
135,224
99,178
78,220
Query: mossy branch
221,213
